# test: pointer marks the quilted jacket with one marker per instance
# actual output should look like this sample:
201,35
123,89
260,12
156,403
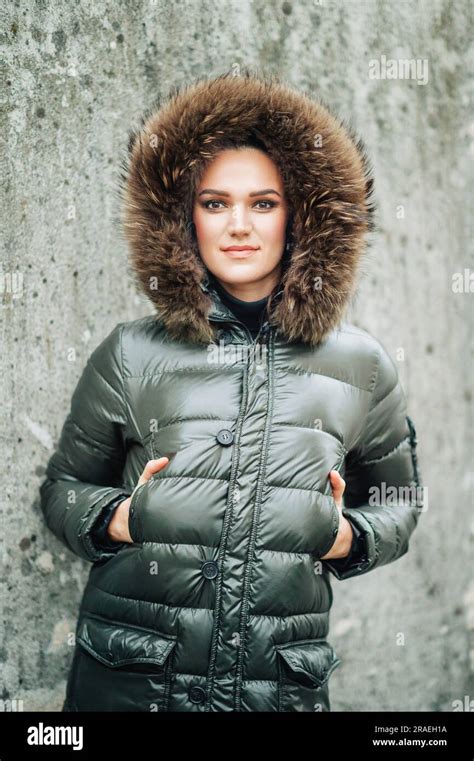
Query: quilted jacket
222,601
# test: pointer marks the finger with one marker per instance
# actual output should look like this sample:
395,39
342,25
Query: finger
337,480
337,484
152,466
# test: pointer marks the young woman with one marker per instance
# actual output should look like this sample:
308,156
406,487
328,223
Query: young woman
202,466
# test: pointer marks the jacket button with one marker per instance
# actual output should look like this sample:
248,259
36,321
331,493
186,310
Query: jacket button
225,437
209,569
335,531
196,694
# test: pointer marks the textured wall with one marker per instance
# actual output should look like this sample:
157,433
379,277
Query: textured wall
77,77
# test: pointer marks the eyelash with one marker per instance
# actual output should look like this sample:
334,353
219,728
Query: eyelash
215,200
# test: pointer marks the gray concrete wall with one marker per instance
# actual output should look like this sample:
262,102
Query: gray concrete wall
78,77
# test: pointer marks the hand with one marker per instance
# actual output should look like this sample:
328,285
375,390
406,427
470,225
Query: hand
342,546
118,526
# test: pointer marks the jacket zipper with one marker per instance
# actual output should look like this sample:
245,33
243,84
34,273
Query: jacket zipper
234,321
253,532
229,513
251,340
227,522
225,534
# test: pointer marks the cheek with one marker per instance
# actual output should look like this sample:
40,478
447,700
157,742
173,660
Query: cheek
272,229
207,227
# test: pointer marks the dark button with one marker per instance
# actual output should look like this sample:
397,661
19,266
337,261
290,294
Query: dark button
196,694
225,437
131,510
335,531
210,569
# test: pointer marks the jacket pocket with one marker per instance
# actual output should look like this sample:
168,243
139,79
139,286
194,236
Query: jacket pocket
330,512
134,523
304,668
156,448
330,525
120,667
149,444
135,515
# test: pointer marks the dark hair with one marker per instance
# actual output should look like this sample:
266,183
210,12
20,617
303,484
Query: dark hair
223,144
252,141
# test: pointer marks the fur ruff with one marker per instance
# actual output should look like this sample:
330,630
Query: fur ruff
328,182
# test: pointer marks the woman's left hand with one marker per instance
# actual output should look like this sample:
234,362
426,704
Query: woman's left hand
342,546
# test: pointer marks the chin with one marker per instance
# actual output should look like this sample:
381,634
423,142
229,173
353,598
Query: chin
238,271
241,278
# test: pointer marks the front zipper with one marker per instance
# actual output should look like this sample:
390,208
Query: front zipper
230,505
253,531
228,516
252,341
232,320
227,522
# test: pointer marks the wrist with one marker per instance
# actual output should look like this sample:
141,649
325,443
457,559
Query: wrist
347,538
115,528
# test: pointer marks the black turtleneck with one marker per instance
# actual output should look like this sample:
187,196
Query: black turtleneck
251,313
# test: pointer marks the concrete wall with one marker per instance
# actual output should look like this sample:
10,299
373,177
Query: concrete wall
78,77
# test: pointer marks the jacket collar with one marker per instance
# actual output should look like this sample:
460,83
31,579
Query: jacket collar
219,311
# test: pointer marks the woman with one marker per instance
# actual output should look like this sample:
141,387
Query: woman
202,465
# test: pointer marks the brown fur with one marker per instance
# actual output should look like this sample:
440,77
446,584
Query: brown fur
329,189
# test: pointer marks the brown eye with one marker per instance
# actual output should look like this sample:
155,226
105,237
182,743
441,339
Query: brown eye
271,204
206,204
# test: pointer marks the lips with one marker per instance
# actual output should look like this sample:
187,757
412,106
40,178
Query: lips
239,252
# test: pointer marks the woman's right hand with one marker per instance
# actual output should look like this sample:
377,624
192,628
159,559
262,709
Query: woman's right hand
118,526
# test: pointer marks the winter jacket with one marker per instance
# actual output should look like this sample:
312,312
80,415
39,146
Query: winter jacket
251,314
222,601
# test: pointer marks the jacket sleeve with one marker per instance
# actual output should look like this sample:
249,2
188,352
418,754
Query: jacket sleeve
99,533
357,552
84,475
383,494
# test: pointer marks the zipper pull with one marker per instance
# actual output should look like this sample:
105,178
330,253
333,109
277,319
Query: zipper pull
264,332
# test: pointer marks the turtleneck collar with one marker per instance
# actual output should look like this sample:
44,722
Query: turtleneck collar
251,313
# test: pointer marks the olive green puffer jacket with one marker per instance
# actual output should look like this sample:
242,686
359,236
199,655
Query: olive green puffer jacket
222,602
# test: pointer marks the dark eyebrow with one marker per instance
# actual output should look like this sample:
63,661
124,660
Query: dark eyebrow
265,192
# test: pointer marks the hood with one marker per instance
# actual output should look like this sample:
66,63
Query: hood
328,184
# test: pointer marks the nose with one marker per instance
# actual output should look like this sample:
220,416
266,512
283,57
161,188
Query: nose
240,223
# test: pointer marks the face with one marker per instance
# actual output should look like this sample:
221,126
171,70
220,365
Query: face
240,203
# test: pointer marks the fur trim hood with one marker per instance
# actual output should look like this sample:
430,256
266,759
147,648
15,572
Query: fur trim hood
328,183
